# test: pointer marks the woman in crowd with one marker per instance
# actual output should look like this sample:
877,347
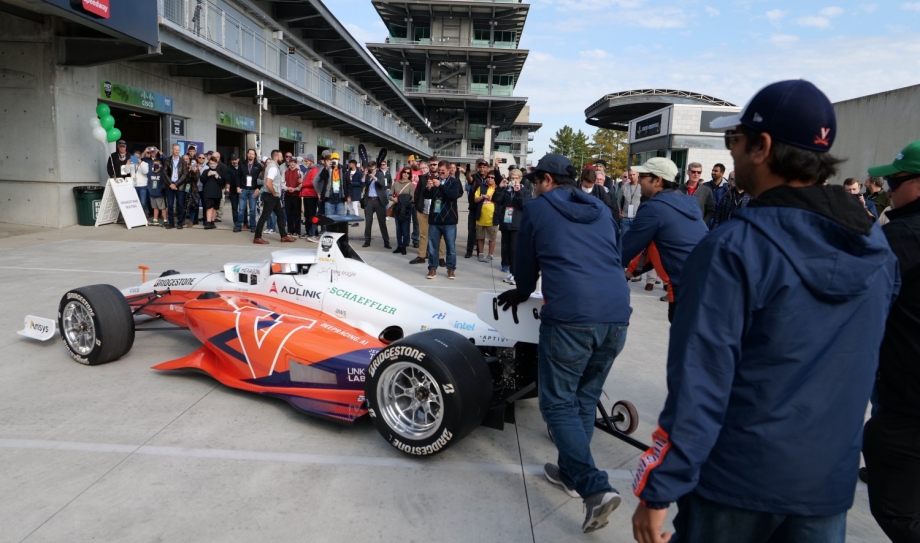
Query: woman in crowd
212,184
191,191
403,208
510,201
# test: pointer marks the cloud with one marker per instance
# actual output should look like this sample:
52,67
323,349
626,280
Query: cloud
594,54
713,12
811,20
775,15
866,8
832,11
911,6
783,39
843,67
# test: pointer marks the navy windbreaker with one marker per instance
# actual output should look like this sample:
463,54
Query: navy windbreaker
773,352
672,220
570,237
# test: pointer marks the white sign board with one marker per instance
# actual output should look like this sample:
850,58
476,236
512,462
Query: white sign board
38,328
120,197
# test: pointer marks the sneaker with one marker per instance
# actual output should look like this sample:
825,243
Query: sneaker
551,472
512,281
505,269
489,258
468,255
237,229
597,508
179,226
664,298
508,279
451,274
635,279
649,286
432,272
417,260
482,257
312,239
268,231
168,226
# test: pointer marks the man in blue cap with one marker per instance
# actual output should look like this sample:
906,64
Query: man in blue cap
570,237
774,344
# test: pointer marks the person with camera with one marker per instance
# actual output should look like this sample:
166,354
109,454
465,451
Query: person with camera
442,191
567,236
851,184
486,221
334,192
293,180
510,202
473,182
374,201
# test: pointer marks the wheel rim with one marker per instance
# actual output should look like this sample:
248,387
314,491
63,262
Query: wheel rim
410,400
78,328
621,425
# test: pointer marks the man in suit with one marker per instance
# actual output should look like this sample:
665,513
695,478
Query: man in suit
374,194
175,177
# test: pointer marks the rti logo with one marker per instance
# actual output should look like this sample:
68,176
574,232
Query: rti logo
439,316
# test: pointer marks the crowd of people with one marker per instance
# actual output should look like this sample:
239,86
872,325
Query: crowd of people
792,309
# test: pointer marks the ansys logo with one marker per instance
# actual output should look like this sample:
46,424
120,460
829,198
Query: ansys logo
39,327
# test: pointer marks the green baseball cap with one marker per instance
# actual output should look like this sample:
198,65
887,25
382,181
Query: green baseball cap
908,160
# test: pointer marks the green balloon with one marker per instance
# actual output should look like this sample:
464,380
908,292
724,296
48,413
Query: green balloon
113,134
102,110
107,121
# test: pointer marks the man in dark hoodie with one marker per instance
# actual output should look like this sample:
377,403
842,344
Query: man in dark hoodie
669,219
774,344
569,237
890,444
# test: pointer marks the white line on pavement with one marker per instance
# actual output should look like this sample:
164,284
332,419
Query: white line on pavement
294,458
63,270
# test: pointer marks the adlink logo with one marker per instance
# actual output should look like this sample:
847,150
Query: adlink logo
300,292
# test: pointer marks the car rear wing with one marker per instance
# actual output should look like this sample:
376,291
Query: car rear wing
339,224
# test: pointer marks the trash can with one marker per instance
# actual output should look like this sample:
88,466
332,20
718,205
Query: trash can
88,199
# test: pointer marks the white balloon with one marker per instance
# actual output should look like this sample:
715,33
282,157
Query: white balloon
99,134
94,122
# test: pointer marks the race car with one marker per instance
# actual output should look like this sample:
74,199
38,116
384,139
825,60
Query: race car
334,337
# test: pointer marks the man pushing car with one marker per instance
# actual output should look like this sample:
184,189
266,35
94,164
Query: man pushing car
568,236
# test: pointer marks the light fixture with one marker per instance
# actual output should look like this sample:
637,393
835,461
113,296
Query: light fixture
133,115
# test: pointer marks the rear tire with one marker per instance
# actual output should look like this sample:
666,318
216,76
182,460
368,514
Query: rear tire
96,324
428,391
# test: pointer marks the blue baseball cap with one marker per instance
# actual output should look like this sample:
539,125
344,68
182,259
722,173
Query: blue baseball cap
794,112
553,164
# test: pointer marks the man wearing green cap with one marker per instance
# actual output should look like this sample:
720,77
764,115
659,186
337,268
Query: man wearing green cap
890,443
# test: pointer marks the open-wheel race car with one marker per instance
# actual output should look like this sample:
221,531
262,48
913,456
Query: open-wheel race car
336,338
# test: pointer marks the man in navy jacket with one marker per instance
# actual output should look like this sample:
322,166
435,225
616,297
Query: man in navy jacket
774,344
570,237
669,218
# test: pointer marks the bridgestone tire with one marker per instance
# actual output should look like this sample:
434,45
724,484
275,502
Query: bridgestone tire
109,316
452,377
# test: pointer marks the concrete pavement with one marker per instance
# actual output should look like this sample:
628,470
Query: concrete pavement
120,452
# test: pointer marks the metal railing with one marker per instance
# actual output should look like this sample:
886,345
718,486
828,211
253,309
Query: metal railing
470,89
452,42
226,31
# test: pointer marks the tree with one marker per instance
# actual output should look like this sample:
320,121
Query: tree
562,143
571,144
611,146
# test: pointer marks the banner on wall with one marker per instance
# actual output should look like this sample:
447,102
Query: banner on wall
325,142
348,148
133,96
291,134
233,120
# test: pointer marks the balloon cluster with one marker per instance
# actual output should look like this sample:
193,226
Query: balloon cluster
104,125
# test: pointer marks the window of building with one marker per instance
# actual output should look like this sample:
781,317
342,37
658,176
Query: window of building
506,39
398,34
481,37
422,34
418,81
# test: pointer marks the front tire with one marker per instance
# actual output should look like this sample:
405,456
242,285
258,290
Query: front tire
96,324
428,391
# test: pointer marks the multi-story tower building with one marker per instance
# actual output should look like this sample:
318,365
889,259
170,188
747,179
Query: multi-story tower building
458,62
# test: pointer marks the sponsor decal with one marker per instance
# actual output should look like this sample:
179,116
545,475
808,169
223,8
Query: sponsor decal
340,313
175,282
367,302
324,259
273,289
439,444
439,316
822,139
464,326
326,242
344,273
299,292
99,8
500,339
252,336
343,333
392,353
248,271
423,328
134,290
43,328
372,412
448,389
355,375
650,459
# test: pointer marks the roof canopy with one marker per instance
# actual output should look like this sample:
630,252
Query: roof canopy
617,109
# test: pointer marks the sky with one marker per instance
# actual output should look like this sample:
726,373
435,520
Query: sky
581,50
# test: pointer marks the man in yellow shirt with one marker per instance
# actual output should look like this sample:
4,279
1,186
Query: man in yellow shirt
486,228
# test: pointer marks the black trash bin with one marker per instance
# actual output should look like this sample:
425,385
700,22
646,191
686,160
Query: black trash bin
88,199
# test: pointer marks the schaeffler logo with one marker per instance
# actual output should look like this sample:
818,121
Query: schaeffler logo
99,8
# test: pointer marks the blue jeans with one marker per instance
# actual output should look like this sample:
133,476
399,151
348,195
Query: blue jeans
702,520
175,200
449,233
415,230
142,196
247,202
573,361
334,209
402,232
625,224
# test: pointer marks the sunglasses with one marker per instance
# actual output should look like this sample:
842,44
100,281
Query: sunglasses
730,137
696,171
895,182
